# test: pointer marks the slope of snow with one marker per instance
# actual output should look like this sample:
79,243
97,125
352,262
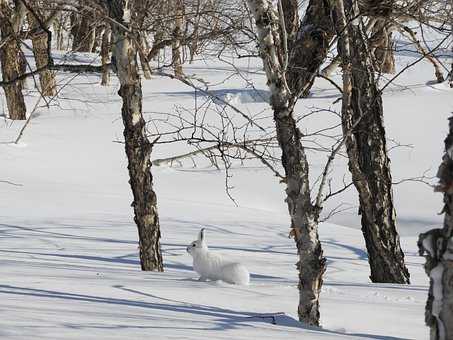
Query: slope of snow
68,244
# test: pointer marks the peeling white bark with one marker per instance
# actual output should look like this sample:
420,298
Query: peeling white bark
437,246
304,216
138,148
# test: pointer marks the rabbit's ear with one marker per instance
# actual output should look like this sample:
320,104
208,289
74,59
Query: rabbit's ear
201,235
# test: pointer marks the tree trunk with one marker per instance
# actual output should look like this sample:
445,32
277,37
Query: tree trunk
143,53
291,17
10,57
309,50
138,147
194,44
176,47
105,51
362,120
40,48
82,32
304,216
96,39
58,26
382,47
437,245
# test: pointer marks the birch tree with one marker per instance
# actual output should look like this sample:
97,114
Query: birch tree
176,47
362,114
138,147
437,246
11,57
303,213
39,23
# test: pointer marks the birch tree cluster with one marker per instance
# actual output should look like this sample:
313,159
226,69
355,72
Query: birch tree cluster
296,43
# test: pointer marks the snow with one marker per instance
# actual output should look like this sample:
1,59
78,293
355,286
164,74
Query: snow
69,258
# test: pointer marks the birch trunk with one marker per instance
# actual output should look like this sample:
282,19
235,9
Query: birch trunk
11,58
105,51
58,25
382,47
144,62
40,48
176,47
362,114
304,216
437,245
138,147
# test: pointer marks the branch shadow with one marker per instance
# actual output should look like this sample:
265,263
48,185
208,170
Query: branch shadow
223,319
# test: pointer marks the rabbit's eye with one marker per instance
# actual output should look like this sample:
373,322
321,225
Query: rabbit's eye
194,244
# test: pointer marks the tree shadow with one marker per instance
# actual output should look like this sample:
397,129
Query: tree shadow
223,319
360,253
57,235
124,260
395,286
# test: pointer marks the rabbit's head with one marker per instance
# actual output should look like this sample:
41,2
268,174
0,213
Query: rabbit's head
198,246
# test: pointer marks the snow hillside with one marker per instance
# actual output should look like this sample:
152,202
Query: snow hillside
69,261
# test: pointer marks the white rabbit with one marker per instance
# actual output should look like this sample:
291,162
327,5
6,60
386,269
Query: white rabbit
214,267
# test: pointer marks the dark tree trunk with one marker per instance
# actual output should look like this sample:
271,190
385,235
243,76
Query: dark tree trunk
176,47
291,17
304,215
40,51
138,150
363,128
382,47
11,58
82,32
105,51
309,50
437,245
138,147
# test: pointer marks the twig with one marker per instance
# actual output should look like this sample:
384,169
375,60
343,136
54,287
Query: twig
11,183
211,95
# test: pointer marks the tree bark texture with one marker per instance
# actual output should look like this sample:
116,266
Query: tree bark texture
39,40
309,49
382,47
144,62
363,128
304,216
105,52
138,147
437,246
291,17
11,58
82,31
176,46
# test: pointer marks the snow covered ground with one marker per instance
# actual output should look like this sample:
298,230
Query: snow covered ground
68,245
